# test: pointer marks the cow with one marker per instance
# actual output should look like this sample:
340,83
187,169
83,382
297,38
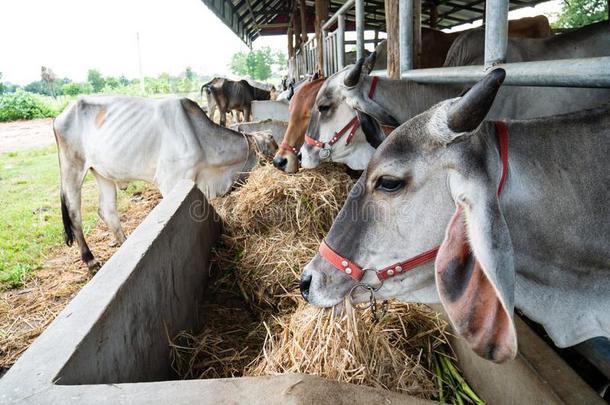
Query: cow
347,92
300,106
233,96
121,139
518,213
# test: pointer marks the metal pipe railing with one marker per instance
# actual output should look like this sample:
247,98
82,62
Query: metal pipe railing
496,31
581,72
342,10
341,41
405,12
360,28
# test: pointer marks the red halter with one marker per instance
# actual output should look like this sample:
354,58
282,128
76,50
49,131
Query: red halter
356,272
350,128
286,146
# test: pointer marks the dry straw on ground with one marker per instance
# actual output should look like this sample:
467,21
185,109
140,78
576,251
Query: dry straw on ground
26,312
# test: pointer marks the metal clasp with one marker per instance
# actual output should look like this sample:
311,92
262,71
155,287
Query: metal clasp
372,304
324,153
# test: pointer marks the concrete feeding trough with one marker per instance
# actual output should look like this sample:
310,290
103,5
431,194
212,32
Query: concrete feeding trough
110,344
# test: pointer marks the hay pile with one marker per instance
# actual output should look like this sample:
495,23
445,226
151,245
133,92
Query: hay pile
257,324
394,353
273,226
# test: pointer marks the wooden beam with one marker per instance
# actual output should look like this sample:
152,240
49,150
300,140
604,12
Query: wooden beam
321,15
392,29
416,33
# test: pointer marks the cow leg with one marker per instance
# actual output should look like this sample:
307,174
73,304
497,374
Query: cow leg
223,116
72,176
247,114
107,209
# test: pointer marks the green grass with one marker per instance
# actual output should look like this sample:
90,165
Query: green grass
30,215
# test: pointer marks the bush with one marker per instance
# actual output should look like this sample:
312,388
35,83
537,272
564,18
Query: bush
74,89
22,105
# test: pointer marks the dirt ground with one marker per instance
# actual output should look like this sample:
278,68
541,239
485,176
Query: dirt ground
19,135
26,312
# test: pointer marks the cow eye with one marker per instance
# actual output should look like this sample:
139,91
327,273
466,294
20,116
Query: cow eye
389,184
323,108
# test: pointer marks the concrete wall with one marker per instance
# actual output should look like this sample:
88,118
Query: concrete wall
270,110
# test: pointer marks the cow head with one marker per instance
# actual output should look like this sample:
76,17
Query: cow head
430,182
265,143
300,106
340,99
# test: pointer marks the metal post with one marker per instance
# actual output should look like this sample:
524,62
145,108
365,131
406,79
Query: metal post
359,29
405,11
325,50
496,31
341,41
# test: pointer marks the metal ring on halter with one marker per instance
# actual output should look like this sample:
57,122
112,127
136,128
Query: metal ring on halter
367,287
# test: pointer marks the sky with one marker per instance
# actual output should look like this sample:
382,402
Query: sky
72,36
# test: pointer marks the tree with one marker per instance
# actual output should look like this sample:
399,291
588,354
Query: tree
256,64
578,13
96,80
2,88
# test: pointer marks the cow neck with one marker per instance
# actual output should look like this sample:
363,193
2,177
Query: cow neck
404,99
228,147
356,272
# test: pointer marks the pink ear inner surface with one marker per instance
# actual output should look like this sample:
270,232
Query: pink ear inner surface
470,299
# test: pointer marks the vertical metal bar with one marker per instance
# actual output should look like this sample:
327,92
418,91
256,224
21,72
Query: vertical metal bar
336,51
496,31
405,12
325,50
359,29
341,41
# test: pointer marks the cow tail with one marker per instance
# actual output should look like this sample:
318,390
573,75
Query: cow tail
65,216
65,212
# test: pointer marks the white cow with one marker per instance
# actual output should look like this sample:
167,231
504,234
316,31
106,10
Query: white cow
122,139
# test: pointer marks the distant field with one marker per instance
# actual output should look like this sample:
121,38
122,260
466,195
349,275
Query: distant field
30,218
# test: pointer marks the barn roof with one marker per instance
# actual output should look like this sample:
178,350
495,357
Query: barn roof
249,19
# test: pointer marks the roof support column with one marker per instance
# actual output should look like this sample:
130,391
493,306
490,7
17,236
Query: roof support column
359,29
303,21
405,12
496,32
321,16
341,41
392,28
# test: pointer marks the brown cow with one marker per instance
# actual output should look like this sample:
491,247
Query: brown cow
300,111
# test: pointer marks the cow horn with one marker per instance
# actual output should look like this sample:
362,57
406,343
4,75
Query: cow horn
353,76
369,63
470,110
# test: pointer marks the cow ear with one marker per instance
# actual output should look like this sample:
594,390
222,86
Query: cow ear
372,130
475,278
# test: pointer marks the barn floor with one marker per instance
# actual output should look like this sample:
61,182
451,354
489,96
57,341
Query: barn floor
25,312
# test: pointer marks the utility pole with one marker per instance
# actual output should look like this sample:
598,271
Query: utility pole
142,88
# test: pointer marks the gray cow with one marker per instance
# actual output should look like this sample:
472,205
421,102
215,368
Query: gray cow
122,139
397,101
541,245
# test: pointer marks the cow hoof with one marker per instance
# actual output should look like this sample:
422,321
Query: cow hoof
93,266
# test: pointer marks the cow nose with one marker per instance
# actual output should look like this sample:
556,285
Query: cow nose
304,286
280,162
